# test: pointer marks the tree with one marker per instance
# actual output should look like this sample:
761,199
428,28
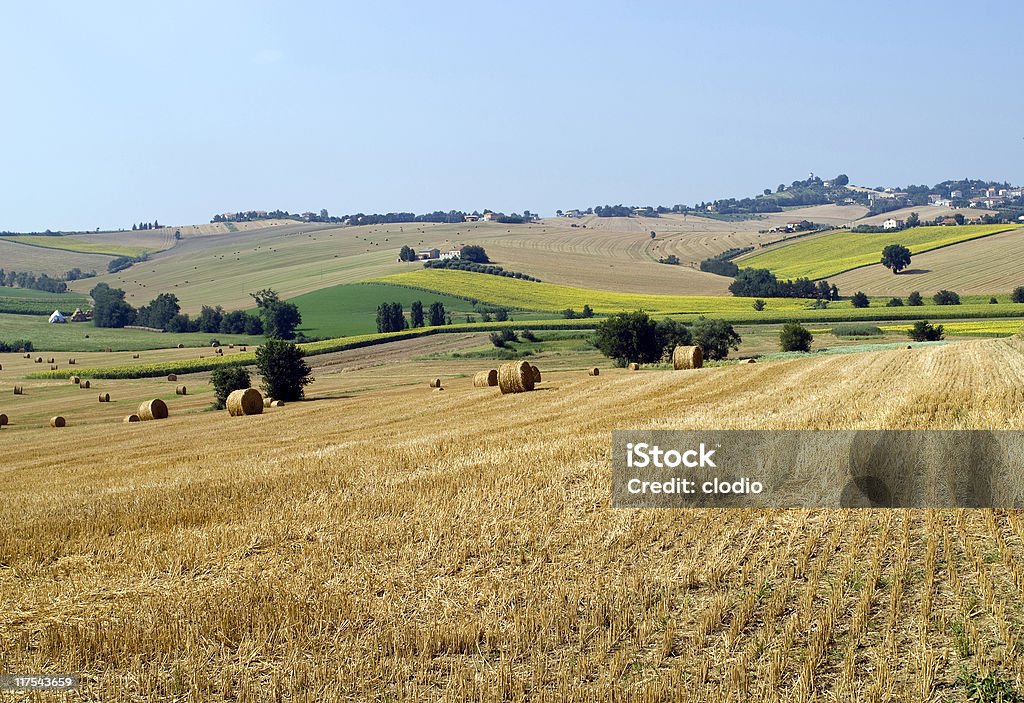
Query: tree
629,336
913,220
841,180
959,218
894,303
715,338
210,319
280,320
860,300
285,373
993,301
160,310
896,257
922,331
264,297
390,317
1018,294
407,253
946,297
672,333
760,305
755,282
915,299
474,253
587,311
794,337
436,314
416,313
227,379
109,307
501,315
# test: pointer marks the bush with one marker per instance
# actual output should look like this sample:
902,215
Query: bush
993,301
284,372
946,297
856,330
17,345
503,337
529,336
894,303
1018,295
715,338
794,337
860,300
915,299
760,305
226,380
925,332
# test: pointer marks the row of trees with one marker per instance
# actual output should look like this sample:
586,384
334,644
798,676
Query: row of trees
147,225
25,279
391,317
762,283
636,337
943,297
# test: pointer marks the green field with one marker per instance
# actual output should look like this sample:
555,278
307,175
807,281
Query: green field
37,302
549,297
83,336
834,253
348,309
68,243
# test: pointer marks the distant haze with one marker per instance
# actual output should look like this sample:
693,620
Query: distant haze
116,113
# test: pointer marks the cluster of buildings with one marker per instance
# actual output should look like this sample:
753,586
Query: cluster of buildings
486,217
435,253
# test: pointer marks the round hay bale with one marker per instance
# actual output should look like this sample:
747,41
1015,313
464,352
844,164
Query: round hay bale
751,361
435,383
485,379
53,367
3,419
231,346
84,384
71,362
214,344
536,373
155,409
246,401
634,366
515,377
76,380
171,377
242,348
180,345
280,403
50,361
687,358
910,346
267,402
180,390
104,397
594,371
28,356
132,418
57,421
135,356
19,390
39,359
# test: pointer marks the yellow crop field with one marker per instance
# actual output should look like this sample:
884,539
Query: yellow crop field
835,252
76,244
550,297
357,548
971,328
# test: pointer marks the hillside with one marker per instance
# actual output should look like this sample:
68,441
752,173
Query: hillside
409,556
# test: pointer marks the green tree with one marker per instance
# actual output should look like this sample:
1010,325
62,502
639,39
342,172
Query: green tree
407,253
1018,294
896,257
437,314
794,337
109,307
285,373
474,253
715,338
946,297
390,317
629,336
672,333
894,303
860,300
915,299
501,315
280,320
587,311
226,379
913,220
923,331
842,180
760,305
210,319
416,313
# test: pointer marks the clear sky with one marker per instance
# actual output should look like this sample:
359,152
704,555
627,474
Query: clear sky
114,113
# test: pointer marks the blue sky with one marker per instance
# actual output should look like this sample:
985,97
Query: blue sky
119,112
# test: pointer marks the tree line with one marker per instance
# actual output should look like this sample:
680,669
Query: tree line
391,316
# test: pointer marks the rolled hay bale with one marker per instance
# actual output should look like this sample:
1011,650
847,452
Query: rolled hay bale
51,361
594,371
634,366
435,383
214,344
3,419
135,356
84,384
57,421
280,403
536,373
76,380
109,350
231,346
246,401
39,359
54,367
515,377
19,390
180,345
485,379
910,346
155,409
132,418
71,362
751,361
180,390
267,402
28,356
241,348
171,377
1,367
687,358
104,397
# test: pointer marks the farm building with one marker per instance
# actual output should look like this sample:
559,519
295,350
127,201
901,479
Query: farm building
424,254
452,254
893,223
490,216
473,218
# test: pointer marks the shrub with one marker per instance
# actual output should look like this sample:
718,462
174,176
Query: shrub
993,301
284,372
529,336
227,379
915,299
894,303
1018,295
760,305
923,331
503,337
856,330
794,337
946,297
860,300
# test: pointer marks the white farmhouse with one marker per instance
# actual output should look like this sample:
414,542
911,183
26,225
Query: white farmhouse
893,223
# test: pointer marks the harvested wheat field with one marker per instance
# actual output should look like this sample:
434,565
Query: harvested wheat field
360,549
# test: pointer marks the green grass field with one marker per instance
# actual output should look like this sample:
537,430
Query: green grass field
68,243
549,297
349,309
83,336
37,302
834,253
